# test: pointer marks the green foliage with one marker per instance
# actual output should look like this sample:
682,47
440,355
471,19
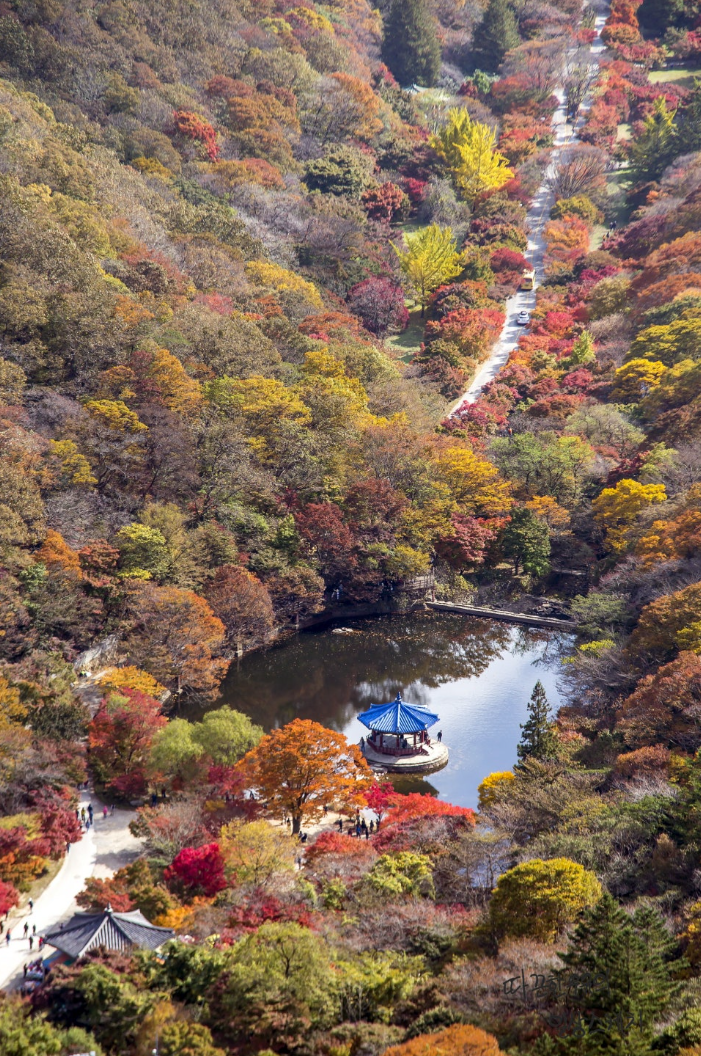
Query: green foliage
221,738
24,1035
538,740
526,541
629,963
496,34
143,552
409,43
371,985
652,151
404,874
339,172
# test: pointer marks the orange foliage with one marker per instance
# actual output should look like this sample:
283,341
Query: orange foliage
56,553
304,767
650,760
664,707
458,1040
177,638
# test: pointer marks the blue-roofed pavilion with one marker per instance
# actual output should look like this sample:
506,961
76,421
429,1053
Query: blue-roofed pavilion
399,730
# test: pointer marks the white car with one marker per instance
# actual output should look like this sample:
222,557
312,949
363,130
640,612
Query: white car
523,318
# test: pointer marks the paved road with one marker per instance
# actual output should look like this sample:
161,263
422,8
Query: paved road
104,848
538,214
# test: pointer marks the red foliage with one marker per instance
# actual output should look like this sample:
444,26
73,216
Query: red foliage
384,202
216,302
59,824
468,542
379,303
321,525
415,190
378,798
192,126
119,739
9,897
250,916
416,805
99,894
200,870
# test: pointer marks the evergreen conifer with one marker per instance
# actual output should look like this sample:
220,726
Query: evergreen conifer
496,34
619,978
538,738
410,45
688,121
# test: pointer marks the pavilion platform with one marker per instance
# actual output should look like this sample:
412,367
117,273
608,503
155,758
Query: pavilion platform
433,756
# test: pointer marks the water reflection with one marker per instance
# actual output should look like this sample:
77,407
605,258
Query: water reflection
478,675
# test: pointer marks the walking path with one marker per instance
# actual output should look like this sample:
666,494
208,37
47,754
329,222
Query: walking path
105,847
564,132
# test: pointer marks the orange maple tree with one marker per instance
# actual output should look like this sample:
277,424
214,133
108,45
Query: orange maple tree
304,767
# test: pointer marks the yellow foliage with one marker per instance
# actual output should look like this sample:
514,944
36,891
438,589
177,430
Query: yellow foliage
422,525
314,19
545,507
114,414
152,167
179,392
635,379
617,509
430,259
537,899
179,918
468,149
280,279
11,707
490,790
474,483
255,852
75,470
131,678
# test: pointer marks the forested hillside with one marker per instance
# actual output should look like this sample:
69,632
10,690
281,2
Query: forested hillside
251,256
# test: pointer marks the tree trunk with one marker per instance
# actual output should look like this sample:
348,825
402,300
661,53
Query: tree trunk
296,824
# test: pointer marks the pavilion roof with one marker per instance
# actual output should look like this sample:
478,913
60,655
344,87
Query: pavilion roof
398,717
115,931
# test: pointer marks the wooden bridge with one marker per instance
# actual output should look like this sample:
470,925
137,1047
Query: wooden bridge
548,622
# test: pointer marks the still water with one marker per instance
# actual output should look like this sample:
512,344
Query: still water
476,674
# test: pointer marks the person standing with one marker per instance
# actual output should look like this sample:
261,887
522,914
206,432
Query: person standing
90,812
8,937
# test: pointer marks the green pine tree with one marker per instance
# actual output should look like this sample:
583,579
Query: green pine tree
496,34
653,150
618,971
410,45
688,121
538,739
526,541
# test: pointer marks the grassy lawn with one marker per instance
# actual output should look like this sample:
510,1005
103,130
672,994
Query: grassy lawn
406,344
682,75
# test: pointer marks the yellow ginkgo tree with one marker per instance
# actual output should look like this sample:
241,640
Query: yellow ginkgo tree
430,259
468,149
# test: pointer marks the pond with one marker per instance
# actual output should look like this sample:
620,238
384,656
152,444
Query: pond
476,674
